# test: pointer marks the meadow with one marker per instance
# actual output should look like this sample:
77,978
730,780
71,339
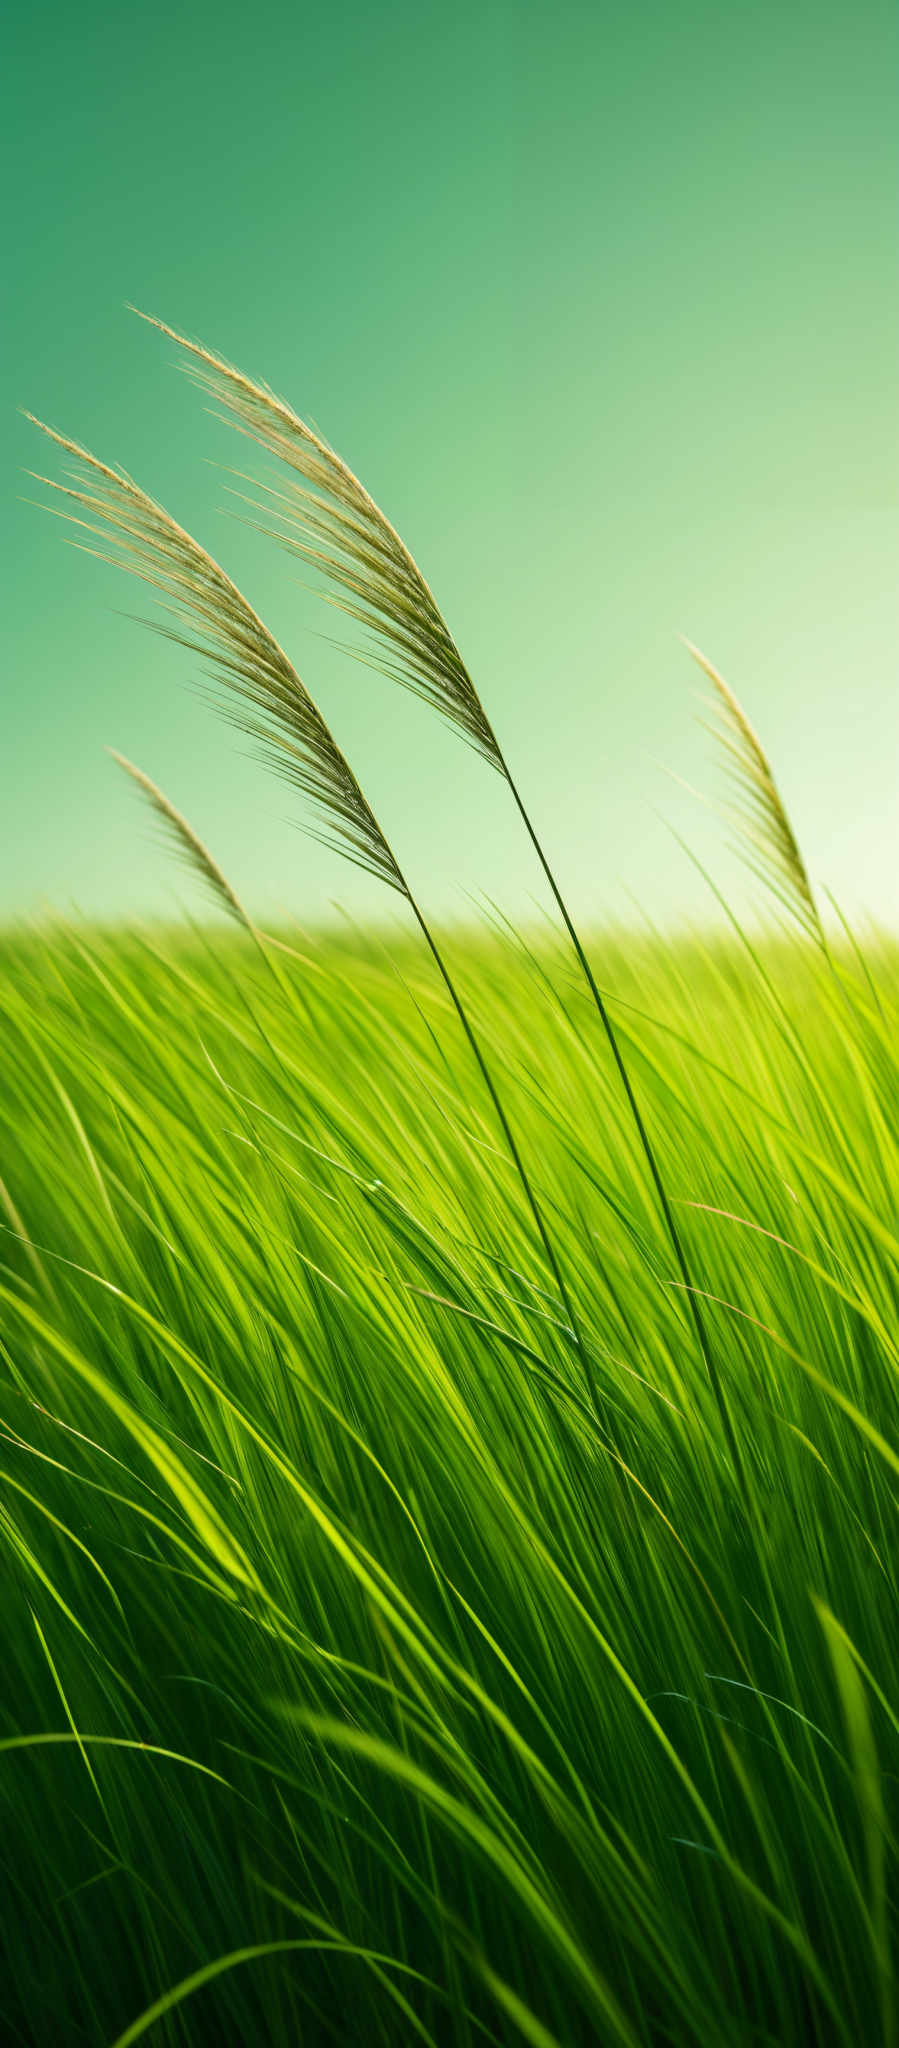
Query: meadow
363,1679
449,1426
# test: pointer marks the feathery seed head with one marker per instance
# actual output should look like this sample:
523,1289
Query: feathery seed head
336,526
272,703
759,809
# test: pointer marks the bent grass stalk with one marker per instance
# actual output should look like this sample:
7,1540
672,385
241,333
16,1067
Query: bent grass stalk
364,555
150,544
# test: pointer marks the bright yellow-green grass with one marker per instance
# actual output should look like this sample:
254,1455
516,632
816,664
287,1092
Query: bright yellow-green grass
383,1664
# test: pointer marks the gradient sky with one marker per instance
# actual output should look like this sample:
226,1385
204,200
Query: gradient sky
601,300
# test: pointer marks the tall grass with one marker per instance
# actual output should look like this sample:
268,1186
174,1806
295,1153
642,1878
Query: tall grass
413,1632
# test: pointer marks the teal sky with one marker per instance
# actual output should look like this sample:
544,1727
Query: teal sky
600,300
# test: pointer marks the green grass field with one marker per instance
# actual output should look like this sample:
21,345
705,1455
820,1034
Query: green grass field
383,1663
449,1419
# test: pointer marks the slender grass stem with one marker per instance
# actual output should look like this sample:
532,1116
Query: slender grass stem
514,1152
647,1147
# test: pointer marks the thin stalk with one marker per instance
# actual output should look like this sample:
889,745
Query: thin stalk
514,1152
642,1132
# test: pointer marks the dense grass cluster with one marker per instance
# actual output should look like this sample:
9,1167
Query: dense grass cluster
449,1417
384,1661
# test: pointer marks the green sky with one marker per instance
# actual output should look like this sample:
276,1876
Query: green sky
601,300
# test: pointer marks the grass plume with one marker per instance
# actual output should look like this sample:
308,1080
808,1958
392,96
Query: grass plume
773,851
332,522
275,706
187,843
